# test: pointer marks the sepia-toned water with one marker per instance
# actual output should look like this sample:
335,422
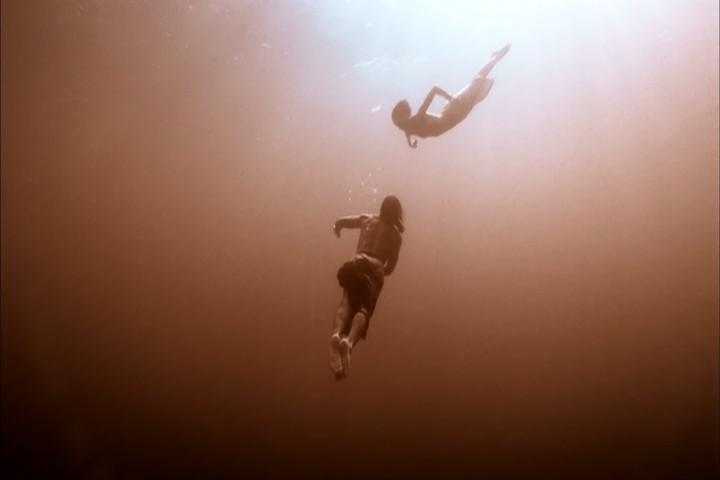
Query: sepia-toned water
170,174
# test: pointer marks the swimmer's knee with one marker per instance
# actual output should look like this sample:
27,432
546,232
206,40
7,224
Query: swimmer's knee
484,90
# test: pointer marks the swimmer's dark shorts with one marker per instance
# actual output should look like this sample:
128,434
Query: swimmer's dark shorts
363,282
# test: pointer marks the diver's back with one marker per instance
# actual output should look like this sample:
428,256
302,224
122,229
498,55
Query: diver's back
378,238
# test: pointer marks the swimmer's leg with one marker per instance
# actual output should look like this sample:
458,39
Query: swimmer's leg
341,325
359,325
481,85
497,56
485,87
343,316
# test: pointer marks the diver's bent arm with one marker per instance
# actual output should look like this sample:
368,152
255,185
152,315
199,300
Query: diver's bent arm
428,100
391,263
426,104
351,221
443,93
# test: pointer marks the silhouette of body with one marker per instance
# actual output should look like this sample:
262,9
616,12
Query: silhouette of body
424,124
362,277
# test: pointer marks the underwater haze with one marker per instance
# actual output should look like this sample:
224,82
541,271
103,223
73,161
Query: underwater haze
170,175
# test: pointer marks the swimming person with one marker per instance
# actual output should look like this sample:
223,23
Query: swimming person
362,277
424,124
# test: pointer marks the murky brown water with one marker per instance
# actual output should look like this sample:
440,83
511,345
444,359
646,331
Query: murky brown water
170,173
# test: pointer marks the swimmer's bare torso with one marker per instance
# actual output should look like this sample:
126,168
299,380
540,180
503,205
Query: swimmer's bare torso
378,239
424,124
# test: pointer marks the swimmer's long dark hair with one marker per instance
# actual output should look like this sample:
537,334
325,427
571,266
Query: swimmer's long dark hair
391,212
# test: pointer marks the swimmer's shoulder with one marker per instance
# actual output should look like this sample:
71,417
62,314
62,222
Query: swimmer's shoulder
367,220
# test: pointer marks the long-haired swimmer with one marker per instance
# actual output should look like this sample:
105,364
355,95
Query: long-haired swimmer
424,124
362,277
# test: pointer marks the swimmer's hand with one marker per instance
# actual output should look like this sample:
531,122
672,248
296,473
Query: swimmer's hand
336,229
411,144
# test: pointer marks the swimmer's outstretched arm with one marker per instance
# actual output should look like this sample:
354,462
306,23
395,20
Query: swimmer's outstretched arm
351,221
428,100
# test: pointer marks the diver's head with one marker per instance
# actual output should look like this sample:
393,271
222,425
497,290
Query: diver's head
391,212
401,114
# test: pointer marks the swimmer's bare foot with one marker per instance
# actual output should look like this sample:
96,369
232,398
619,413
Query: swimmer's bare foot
345,349
502,52
335,361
